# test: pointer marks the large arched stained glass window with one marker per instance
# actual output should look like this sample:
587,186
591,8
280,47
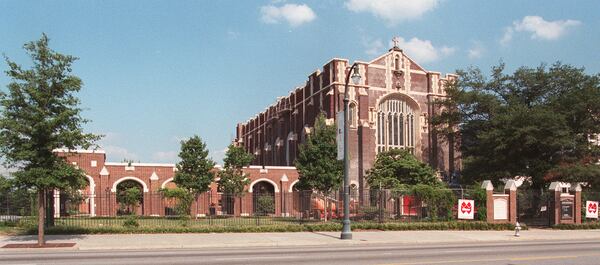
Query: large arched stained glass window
395,125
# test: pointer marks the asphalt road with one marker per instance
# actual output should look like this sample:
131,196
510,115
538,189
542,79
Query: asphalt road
532,252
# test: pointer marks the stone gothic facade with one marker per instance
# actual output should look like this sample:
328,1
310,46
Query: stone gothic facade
389,108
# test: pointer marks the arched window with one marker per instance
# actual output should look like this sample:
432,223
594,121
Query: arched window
397,63
353,115
395,125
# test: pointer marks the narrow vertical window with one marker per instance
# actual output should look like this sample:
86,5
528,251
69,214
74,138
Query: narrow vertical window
353,116
390,132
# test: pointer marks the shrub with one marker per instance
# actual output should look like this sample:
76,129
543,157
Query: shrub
368,212
184,200
439,200
130,222
265,205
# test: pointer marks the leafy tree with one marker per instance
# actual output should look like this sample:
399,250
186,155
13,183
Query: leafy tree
40,113
265,204
195,170
397,168
5,184
528,123
445,123
317,162
184,200
233,180
439,200
129,196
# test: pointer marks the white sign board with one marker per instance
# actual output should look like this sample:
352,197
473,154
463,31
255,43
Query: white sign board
500,208
591,209
466,209
340,135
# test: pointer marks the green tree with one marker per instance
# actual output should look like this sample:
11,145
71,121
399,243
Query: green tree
529,123
445,123
317,162
40,113
397,168
184,200
195,170
233,180
129,196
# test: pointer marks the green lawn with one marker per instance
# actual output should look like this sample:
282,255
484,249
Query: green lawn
160,222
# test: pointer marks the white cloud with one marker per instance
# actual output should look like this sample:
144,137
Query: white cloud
447,51
476,51
373,47
507,37
393,11
293,14
539,28
218,155
165,156
119,153
423,51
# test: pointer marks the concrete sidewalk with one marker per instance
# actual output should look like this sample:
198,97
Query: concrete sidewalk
229,240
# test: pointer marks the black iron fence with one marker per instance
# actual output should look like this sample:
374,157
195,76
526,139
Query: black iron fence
250,209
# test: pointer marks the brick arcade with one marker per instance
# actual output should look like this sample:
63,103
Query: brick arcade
104,177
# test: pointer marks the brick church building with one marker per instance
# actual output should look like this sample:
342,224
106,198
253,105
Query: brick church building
389,108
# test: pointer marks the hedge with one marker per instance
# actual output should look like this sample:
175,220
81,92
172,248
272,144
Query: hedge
594,225
280,228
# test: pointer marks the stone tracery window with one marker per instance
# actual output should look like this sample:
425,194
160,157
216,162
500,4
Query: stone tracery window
395,125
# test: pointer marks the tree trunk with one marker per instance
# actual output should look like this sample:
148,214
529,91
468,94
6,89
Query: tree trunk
241,207
326,208
50,208
451,155
41,216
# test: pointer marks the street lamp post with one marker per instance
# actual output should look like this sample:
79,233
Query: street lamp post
346,231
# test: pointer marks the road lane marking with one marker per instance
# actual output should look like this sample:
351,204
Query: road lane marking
263,257
543,258
488,260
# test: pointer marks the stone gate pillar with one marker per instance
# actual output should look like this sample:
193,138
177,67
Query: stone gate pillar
578,204
489,201
511,189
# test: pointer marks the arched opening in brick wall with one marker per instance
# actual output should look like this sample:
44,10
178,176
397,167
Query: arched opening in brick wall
263,198
76,202
130,197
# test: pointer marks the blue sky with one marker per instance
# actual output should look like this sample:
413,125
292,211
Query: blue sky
156,72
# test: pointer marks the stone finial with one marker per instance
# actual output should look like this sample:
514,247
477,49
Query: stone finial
487,185
104,172
284,178
510,185
578,187
396,41
555,186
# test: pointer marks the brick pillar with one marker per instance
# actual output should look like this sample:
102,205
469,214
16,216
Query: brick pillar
556,188
147,207
152,200
249,203
238,205
511,189
284,209
578,204
489,201
278,204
